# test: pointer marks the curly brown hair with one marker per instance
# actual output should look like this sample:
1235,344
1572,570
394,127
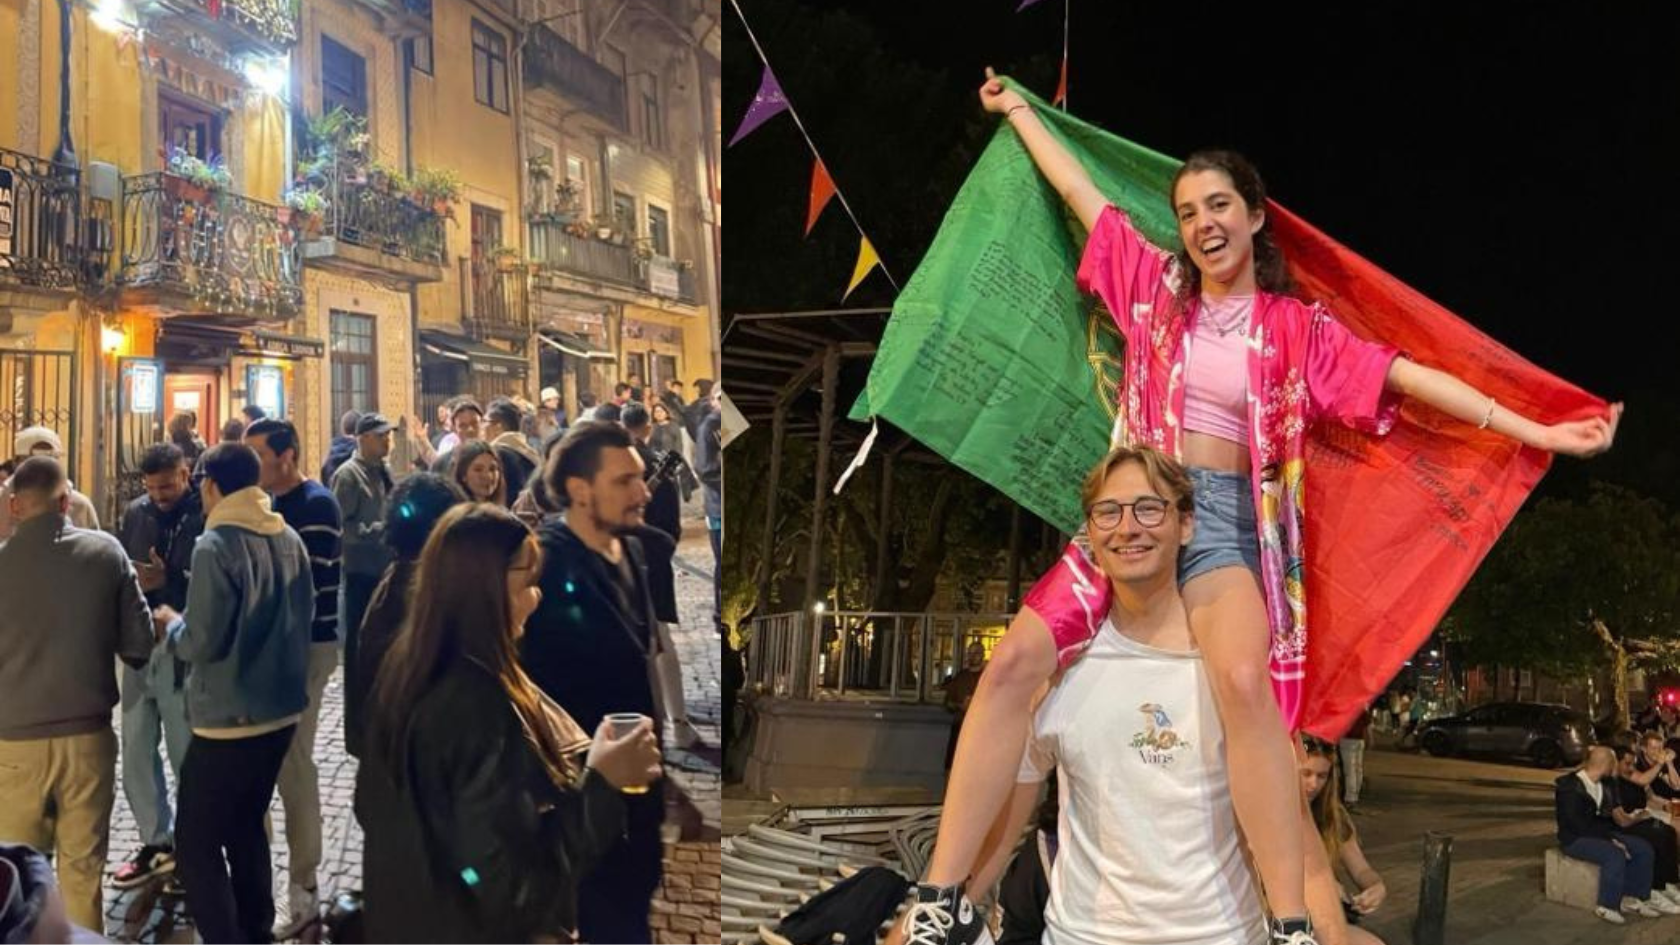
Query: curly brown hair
1271,272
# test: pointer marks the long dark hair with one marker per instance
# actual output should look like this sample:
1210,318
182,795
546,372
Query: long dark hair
460,590
463,459
1271,272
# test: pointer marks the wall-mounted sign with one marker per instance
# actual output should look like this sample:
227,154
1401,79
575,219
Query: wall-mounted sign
143,392
265,386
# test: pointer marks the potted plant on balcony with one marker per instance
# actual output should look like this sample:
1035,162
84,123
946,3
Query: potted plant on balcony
437,190
606,227
505,258
306,208
540,167
193,179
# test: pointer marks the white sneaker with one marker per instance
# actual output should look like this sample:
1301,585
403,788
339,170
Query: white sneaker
1641,907
1609,915
1672,891
1663,904
303,907
1663,895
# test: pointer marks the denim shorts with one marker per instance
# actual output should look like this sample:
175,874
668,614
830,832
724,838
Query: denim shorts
1225,531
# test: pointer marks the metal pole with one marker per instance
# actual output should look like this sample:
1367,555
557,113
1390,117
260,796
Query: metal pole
1012,601
927,658
845,649
819,505
1431,923
883,568
767,549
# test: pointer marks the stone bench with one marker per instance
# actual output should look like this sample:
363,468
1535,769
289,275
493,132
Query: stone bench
1570,881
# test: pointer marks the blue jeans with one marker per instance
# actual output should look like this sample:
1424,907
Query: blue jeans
159,705
1619,874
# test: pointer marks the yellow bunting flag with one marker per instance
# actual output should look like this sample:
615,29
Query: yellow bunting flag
867,260
822,191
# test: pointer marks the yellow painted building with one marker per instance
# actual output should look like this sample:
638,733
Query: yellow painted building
615,145
186,288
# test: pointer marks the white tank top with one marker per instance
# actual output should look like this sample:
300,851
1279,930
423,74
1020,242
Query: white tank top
1216,377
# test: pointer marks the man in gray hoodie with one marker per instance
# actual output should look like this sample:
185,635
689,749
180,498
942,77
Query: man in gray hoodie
246,634
58,685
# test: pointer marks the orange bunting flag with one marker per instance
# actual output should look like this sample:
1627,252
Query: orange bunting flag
1061,87
866,261
822,191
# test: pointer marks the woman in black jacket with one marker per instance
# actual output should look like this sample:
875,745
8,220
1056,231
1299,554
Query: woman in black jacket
479,814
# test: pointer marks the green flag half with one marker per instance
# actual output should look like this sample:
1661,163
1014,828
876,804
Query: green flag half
992,357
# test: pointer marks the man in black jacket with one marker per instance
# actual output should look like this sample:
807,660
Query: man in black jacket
158,530
1586,831
592,644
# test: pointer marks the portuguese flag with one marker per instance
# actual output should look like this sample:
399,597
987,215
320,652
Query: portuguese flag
996,361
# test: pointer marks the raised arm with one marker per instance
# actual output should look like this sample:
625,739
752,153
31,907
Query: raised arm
1059,167
1372,890
1457,399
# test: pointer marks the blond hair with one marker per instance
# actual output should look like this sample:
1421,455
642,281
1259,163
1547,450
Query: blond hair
1165,474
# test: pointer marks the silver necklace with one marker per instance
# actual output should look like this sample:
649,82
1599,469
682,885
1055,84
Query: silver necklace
1237,321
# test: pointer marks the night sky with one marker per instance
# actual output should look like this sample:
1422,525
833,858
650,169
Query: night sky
1513,166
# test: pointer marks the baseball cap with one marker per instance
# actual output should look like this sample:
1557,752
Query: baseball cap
32,438
372,423
549,393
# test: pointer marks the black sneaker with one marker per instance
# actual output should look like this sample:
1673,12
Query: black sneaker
149,862
1292,932
931,921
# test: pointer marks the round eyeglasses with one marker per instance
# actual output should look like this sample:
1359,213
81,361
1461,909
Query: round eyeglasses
1149,512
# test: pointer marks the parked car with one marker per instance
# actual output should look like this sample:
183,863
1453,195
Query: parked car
1547,734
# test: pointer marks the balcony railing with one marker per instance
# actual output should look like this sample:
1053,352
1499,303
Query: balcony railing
359,214
665,278
898,656
498,300
556,249
553,62
40,217
212,251
274,22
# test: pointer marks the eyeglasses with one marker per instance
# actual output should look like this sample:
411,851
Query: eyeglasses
1149,511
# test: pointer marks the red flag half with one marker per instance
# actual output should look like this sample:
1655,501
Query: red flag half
822,191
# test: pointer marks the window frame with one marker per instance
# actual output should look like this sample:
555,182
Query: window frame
362,80
490,60
411,48
343,397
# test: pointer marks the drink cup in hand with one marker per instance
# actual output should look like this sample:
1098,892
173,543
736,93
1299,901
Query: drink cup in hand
625,752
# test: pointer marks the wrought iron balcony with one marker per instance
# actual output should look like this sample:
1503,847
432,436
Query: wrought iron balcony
40,219
559,251
553,62
190,249
498,297
269,26
370,230
667,279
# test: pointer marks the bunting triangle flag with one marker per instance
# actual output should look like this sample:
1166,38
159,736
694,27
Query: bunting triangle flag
995,360
866,261
1061,87
822,191
1024,5
767,104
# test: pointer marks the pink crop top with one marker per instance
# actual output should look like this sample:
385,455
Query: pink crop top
1216,377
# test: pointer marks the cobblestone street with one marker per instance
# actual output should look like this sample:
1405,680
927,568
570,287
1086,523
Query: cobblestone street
687,908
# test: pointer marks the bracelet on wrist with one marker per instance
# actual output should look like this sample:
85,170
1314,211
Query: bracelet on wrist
1015,108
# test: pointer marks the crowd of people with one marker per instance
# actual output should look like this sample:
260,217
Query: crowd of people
503,608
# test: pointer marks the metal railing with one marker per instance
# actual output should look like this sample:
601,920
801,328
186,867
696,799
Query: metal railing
554,248
40,221
227,252
364,216
498,298
274,21
552,61
900,656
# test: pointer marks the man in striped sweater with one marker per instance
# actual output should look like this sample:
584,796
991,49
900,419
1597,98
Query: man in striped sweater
309,509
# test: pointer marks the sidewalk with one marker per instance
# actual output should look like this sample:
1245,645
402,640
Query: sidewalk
687,909
1501,819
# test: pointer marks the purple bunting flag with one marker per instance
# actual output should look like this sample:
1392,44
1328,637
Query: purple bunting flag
1024,5
767,104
